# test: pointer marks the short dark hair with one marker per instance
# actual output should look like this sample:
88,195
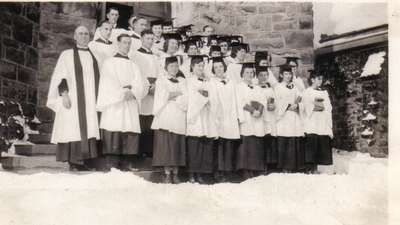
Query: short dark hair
235,50
195,61
223,63
313,76
188,46
243,68
284,68
112,8
122,36
146,31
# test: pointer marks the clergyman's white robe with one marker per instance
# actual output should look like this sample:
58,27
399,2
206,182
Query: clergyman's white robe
66,123
101,50
119,115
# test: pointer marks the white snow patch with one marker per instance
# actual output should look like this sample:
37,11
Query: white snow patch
373,64
358,196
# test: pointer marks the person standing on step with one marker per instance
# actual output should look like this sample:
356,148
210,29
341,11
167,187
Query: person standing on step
238,54
72,96
112,16
201,126
150,70
317,125
102,47
121,90
136,26
156,28
170,106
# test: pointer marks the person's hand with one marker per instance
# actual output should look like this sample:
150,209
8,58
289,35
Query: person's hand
66,100
270,106
174,94
204,93
128,96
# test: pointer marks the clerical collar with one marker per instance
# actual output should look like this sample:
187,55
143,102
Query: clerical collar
102,40
202,79
119,55
250,86
265,85
82,48
223,80
145,51
173,79
290,85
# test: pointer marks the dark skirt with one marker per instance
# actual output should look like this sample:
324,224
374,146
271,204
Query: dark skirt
72,151
318,149
169,149
271,150
119,143
251,154
147,135
200,154
226,154
290,153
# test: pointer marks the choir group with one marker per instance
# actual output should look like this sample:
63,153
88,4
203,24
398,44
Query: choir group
192,102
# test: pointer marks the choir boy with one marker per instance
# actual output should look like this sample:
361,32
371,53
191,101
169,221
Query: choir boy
317,124
102,47
121,90
201,126
293,62
149,69
136,26
170,105
72,96
250,157
262,58
289,125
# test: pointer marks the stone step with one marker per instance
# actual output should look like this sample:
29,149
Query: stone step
40,138
32,162
45,128
37,149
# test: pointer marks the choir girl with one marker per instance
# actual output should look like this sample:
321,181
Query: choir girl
102,47
238,54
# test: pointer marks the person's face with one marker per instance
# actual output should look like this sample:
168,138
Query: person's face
157,30
241,54
148,40
317,81
192,50
215,54
140,26
105,30
287,76
198,68
248,74
173,46
113,16
173,68
294,67
224,47
188,33
219,69
124,45
208,31
262,77
213,42
167,29
82,36
263,62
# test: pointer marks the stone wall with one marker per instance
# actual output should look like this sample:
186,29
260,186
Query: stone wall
19,64
278,26
351,97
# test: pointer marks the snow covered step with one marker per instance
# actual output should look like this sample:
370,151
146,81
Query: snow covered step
40,138
37,149
32,162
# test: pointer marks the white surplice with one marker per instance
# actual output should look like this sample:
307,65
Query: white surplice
233,71
201,113
170,114
226,110
102,50
66,122
118,114
269,116
249,125
149,68
289,123
317,122
136,42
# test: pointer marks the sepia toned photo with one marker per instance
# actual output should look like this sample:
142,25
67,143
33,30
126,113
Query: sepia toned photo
201,112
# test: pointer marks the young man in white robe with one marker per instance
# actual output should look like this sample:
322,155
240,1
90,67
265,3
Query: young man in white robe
102,47
201,126
227,119
156,28
136,26
150,70
112,15
289,125
121,90
72,96
317,126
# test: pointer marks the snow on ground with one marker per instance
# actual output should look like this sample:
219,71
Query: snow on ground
357,195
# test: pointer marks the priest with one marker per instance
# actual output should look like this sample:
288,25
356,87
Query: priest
121,91
72,96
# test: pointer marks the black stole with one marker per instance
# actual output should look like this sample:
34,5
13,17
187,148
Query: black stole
80,89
